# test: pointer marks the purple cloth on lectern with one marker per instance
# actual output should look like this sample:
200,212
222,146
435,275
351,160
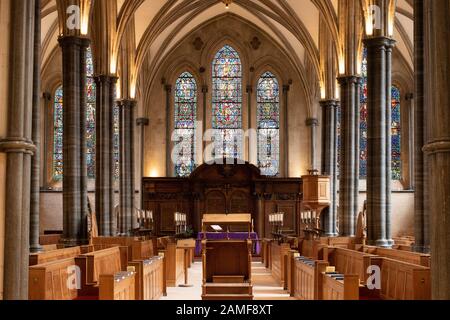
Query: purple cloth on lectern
231,236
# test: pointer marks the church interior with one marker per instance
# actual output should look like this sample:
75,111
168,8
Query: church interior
224,150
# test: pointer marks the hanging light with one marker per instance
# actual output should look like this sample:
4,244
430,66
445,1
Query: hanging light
227,3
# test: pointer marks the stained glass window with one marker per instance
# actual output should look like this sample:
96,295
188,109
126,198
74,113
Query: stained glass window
58,135
227,103
396,128
90,126
396,135
268,117
185,118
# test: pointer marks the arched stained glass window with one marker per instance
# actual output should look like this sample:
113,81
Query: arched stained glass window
396,127
227,103
268,117
185,119
90,126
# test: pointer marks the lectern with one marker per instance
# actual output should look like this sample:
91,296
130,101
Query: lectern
227,264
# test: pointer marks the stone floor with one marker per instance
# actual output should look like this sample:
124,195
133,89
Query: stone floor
264,285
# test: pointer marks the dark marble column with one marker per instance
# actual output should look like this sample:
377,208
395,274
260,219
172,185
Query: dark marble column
249,90
260,216
105,165
142,123
437,148
348,201
19,149
286,89
378,146
74,141
127,189
36,134
421,219
48,121
329,149
169,164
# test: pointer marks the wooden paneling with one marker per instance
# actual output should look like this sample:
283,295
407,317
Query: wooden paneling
49,281
307,279
174,258
167,222
404,281
222,189
113,288
227,258
279,258
347,289
350,262
149,278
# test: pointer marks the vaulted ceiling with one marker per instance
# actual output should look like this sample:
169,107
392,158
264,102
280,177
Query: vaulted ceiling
293,24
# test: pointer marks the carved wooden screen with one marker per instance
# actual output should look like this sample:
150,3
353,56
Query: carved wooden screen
216,202
239,203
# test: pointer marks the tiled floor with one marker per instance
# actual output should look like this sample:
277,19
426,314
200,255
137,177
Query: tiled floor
264,286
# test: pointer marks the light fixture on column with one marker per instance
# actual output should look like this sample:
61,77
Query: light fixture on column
227,3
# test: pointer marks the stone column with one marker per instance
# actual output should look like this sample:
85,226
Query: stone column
74,192
313,124
378,146
142,123
105,165
437,148
127,190
286,89
421,219
348,202
169,164
328,160
48,112
19,149
36,134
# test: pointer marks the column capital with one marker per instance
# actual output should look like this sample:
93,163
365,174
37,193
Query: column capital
127,103
348,79
286,88
106,78
312,122
330,103
249,89
205,89
168,88
379,42
144,122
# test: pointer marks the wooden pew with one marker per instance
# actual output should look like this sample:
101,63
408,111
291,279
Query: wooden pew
120,286
174,259
52,281
53,255
150,280
404,281
350,262
313,249
420,259
103,262
333,289
307,278
279,258
137,249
